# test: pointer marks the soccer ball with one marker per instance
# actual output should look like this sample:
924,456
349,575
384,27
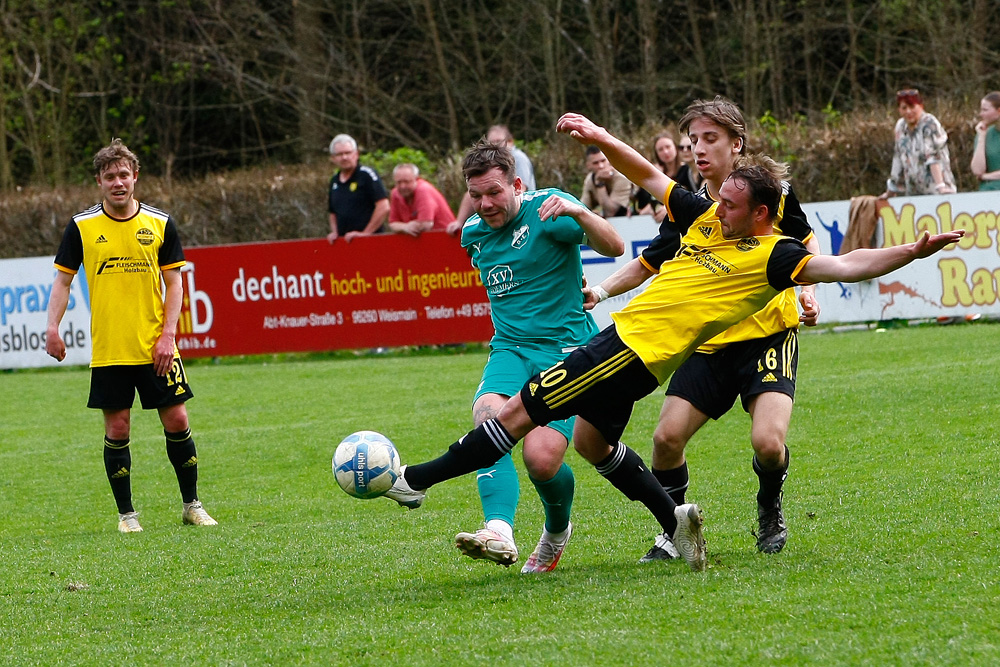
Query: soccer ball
366,464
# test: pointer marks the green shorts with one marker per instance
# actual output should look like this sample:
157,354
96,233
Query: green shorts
507,370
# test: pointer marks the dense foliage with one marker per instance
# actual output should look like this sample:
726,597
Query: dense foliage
197,86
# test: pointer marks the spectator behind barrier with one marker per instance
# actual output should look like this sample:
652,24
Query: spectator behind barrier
416,206
686,151
921,164
358,204
986,151
605,191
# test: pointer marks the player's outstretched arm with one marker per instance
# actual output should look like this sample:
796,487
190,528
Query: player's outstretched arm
601,234
628,277
865,264
622,157
55,347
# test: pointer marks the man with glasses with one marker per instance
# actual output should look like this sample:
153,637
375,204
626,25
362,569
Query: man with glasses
358,203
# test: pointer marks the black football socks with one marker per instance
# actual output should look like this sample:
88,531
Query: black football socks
674,481
627,473
118,465
184,458
770,480
482,446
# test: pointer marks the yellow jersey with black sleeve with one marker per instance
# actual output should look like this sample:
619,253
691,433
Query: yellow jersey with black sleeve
122,261
703,291
688,228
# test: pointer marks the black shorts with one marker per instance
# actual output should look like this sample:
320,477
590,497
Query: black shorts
599,382
114,387
711,382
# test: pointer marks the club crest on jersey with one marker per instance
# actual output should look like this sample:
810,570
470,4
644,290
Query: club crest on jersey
145,236
747,244
520,236
500,280
354,186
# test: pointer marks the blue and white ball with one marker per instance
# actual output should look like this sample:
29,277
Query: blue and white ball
366,464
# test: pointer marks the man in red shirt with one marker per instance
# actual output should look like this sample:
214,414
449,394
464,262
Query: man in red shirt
416,206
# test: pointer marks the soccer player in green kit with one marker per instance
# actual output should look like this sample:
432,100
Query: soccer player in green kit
526,246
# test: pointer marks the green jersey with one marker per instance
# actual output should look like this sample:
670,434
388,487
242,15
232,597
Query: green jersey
992,156
533,276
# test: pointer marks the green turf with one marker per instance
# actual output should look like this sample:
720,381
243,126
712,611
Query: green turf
891,505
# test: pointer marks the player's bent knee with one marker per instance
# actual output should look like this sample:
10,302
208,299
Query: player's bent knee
589,443
174,418
543,462
669,441
117,424
770,451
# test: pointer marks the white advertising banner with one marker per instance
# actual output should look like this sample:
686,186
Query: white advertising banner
960,280
25,286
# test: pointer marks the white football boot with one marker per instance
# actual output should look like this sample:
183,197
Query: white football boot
129,523
195,515
403,494
688,538
487,544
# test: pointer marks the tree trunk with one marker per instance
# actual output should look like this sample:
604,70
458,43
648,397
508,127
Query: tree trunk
598,19
310,82
751,59
698,46
648,17
455,138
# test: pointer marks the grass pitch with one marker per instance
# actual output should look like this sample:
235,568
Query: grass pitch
891,506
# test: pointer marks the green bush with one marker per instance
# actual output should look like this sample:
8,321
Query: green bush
835,156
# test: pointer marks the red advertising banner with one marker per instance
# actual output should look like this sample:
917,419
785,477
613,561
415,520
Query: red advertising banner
295,296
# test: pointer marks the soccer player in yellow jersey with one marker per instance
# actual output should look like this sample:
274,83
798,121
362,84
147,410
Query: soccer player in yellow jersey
129,251
739,267
755,360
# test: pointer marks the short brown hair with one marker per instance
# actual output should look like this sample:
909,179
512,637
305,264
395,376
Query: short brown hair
485,155
763,176
993,98
722,112
113,153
